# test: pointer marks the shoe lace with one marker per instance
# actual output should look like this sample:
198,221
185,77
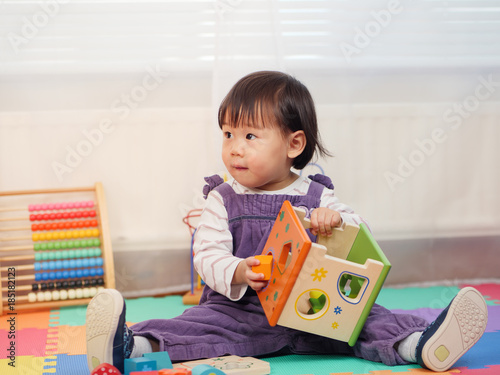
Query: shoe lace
128,341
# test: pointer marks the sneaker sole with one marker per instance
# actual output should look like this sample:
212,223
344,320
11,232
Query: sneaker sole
102,321
463,326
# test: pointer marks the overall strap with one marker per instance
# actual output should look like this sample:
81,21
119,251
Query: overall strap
216,182
318,183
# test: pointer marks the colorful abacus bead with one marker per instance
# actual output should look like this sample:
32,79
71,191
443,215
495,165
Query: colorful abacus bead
57,245
64,294
63,215
47,236
73,289
65,225
71,274
60,206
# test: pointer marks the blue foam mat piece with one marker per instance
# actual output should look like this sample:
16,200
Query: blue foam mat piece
68,365
485,352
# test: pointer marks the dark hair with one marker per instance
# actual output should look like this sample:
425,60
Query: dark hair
274,98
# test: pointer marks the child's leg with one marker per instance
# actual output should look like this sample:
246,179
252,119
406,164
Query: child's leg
396,339
382,333
205,331
215,329
437,346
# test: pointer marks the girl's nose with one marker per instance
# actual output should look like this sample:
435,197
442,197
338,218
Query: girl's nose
237,149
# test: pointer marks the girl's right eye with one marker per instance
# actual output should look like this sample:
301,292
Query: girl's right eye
228,135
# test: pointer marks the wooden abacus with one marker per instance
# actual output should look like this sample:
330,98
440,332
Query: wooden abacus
61,252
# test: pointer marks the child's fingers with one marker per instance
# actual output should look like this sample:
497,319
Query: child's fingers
252,261
252,276
257,285
337,220
320,222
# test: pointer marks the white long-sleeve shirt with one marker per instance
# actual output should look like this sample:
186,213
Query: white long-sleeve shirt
213,242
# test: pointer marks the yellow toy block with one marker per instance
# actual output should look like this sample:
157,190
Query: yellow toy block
326,288
265,266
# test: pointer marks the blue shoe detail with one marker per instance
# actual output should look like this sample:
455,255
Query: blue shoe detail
454,331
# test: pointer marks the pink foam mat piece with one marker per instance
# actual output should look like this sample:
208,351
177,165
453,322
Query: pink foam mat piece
489,370
491,292
27,342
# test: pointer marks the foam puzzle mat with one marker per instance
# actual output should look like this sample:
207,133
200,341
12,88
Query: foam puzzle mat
53,342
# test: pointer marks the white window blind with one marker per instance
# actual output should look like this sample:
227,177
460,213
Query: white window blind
83,36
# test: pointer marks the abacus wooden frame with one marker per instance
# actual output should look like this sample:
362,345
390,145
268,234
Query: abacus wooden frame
105,239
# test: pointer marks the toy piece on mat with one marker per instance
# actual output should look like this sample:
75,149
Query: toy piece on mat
139,364
328,291
162,359
231,365
194,295
57,254
206,370
175,371
105,369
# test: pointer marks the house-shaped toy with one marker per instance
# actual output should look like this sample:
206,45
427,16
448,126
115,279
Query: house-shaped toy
326,288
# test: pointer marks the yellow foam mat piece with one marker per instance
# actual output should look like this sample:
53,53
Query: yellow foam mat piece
28,365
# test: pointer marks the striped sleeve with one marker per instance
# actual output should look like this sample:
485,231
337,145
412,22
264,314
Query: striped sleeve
329,200
213,249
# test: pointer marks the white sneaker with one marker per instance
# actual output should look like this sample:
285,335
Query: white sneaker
109,340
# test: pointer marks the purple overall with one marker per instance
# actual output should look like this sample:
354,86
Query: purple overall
219,326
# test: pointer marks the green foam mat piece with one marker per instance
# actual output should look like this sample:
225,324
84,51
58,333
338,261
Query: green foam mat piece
326,365
138,310
147,308
72,315
437,297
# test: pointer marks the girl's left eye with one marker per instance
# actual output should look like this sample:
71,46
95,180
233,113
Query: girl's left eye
251,136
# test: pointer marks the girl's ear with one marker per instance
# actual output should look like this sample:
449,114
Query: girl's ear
296,143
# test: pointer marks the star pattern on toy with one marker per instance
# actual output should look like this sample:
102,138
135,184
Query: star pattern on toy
319,274
335,325
337,310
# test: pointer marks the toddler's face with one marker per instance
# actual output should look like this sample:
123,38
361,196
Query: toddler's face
256,156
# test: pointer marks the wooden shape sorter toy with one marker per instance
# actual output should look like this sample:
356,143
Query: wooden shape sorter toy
55,248
326,288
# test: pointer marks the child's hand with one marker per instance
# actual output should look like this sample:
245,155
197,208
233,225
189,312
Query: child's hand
245,275
323,220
